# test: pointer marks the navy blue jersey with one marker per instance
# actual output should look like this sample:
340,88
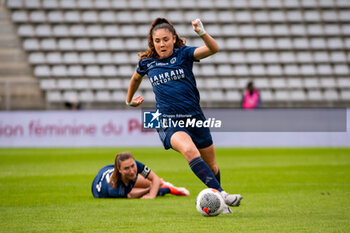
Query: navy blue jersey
103,189
173,82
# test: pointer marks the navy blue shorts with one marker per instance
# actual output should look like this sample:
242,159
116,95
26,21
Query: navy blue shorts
200,136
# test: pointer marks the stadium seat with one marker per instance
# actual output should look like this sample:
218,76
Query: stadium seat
113,84
14,4
102,4
37,58
53,58
233,96
86,96
338,56
261,83
282,95
68,4
72,17
71,58
53,96
87,58
270,57
266,95
94,30
126,70
345,95
104,58
93,71
81,84
225,16
330,95
274,70
64,84
48,44
37,16
55,16
66,44
297,29
297,95
304,57
243,16
107,16
295,83
109,71
89,17
287,57
82,45
98,83
76,71
59,71
279,83
216,95
111,30
48,84
290,69
43,30
328,83
118,96
315,95
341,69
344,82
20,17
42,71
242,83
31,44
149,96
324,69
224,70
103,96
77,30
257,70
311,83
260,16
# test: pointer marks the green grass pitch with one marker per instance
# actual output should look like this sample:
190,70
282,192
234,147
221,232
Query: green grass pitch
284,190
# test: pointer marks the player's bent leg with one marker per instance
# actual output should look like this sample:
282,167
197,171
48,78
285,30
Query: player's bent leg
208,155
179,191
182,142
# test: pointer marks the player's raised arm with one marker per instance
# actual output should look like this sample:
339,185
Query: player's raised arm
210,47
133,86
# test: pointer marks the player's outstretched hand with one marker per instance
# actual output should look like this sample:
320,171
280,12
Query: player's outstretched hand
147,196
198,27
137,101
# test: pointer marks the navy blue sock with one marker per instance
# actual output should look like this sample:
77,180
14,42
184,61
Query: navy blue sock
203,172
163,191
217,176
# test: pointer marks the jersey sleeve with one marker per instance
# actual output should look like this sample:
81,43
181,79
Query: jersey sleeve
188,52
141,68
143,169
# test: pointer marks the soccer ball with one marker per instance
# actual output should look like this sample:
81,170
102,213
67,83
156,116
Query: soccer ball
209,202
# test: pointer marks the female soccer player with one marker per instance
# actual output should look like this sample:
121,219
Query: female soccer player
168,64
122,180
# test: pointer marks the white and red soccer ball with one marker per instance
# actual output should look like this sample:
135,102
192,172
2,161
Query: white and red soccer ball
209,202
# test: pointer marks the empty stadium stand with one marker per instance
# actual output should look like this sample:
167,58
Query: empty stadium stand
297,52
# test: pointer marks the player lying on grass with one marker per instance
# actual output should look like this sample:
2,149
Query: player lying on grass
122,180
168,64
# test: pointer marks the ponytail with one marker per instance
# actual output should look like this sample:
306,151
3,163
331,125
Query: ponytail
160,23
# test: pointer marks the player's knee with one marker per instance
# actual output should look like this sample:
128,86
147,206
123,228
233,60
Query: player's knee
190,152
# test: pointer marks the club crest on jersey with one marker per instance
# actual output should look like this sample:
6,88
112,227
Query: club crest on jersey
173,60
